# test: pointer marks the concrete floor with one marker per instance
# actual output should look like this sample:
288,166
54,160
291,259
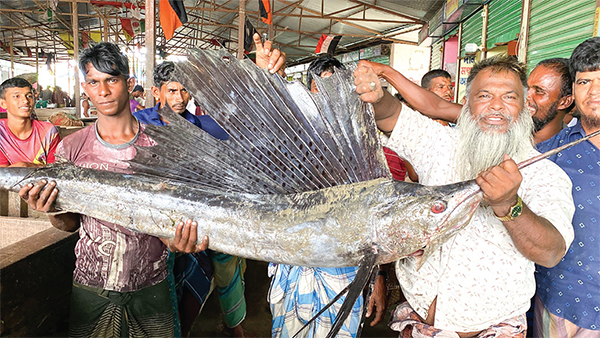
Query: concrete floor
258,318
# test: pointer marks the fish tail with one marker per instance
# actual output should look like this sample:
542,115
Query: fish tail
11,179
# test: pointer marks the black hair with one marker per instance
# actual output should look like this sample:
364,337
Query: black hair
164,73
499,63
323,63
106,57
585,57
561,67
137,88
432,74
15,82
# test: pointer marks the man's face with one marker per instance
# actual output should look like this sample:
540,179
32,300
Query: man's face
496,100
107,92
586,91
137,93
543,95
18,102
174,94
442,87
313,84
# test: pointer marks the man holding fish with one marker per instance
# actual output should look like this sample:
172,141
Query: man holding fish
119,282
481,281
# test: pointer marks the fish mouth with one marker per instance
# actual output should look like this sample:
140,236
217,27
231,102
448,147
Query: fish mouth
468,212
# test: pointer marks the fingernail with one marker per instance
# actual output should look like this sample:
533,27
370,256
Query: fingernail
266,51
52,183
30,185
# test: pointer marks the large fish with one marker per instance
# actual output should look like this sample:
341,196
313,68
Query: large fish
330,227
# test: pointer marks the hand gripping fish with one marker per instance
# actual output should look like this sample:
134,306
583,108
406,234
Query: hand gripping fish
302,179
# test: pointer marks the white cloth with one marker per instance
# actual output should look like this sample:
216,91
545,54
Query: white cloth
479,277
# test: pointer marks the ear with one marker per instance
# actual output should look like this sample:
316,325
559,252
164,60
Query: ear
155,92
130,84
3,104
565,102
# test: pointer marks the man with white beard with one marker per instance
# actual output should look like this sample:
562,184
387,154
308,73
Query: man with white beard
481,281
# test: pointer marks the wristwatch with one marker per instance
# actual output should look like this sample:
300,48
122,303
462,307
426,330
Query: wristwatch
515,211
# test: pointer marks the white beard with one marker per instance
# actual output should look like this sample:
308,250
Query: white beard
479,150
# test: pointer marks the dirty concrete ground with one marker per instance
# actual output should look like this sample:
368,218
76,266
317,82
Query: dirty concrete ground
258,319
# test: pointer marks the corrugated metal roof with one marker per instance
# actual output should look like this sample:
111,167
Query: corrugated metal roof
297,24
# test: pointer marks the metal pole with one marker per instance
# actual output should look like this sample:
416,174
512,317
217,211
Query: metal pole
271,37
76,56
150,36
241,30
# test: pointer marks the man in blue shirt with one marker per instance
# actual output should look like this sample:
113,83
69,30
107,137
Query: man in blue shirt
173,93
568,295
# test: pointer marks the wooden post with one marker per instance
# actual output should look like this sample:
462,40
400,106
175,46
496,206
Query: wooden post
524,34
484,27
76,56
12,61
105,29
458,62
150,36
37,66
241,30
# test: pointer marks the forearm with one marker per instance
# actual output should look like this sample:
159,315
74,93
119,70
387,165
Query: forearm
536,238
386,112
421,99
66,221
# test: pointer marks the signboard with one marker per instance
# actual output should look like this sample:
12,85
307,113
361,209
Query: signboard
451,7
465,69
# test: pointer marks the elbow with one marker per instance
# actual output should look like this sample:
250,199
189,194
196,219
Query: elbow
553,257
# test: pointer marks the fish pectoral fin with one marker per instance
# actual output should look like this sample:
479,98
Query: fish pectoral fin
354,290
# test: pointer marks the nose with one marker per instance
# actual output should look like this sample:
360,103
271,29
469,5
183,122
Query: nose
449,92
595,88
103,88
496,103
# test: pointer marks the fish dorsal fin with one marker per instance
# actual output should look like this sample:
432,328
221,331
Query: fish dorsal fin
282,138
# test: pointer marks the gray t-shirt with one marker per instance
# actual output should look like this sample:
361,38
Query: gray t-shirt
108,255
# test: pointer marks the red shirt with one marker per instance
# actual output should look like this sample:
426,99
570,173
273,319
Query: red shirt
396,164
38,148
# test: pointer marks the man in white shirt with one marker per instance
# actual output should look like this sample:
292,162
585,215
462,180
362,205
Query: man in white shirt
481,281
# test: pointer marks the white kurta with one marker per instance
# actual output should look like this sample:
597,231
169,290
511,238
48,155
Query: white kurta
479,277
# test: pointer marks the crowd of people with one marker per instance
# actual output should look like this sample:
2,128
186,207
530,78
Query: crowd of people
534,237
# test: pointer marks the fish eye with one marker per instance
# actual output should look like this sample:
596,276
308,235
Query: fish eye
438,207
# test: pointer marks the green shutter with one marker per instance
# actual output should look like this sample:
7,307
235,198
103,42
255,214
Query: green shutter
556,27
504,21
436,55
471,32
